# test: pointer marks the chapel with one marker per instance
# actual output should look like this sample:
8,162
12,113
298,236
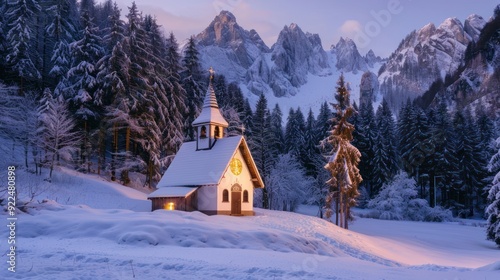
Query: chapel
214,174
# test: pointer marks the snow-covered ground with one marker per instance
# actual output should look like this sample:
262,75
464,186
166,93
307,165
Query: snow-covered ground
101,238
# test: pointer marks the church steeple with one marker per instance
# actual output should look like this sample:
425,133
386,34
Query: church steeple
210,123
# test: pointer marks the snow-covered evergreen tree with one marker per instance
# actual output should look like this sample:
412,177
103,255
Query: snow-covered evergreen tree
191,82
343,160
82,75
493,209
174,132
287,184
294,132
62,29
472,162
385,161
398,200
114,65
364,138
259,142
278,138
20,15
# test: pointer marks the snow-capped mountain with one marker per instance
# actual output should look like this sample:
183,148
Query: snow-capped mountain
424,56
283,69
227,44
348,57
477,82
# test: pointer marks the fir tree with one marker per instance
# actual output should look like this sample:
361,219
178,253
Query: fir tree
19,18
385,162
294,132
364,138
277,143
493,210
343,160
191,82
176,95
259,143
443,159
471,170
113,67
62,28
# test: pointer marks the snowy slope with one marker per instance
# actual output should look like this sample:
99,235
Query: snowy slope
61,242
101,238
316,91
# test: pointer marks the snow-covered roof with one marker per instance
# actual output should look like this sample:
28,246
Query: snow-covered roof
210,112
173,192
192,167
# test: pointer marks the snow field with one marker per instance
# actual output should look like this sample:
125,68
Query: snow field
57,241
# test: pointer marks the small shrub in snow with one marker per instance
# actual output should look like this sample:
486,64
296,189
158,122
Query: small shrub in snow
398,201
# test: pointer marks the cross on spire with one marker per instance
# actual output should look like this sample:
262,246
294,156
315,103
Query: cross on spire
212,73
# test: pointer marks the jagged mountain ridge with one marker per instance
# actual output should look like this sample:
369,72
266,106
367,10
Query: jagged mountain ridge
475,85
280,70
424,56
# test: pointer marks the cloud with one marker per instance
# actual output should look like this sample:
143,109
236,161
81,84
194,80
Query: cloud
350,28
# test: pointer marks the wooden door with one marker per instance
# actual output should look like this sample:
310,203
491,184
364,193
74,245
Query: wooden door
235,203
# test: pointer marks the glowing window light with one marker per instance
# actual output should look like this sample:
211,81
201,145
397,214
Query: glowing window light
170,206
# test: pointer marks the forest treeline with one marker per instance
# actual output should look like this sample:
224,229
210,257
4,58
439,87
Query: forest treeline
111,96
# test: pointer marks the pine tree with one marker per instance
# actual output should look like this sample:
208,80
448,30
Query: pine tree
471,163
174,133
191,82
343,159
259,143
114,80
415,145
443,159
385,162
278,137
82,75
364,138
20,61
493,210
114,65
62,28
3,35
294,132
82,84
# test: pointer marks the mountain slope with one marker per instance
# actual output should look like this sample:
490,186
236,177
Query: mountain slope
285,68
476,84
227,45
424,56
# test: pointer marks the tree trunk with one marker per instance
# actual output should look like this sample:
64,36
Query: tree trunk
115,151
337,208
125,177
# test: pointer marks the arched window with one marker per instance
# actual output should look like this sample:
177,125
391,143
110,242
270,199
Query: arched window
245,196
217,131
225,196
203,132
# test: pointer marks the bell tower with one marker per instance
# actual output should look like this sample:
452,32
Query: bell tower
210,124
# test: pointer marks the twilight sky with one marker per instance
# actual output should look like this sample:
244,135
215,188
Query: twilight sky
373,24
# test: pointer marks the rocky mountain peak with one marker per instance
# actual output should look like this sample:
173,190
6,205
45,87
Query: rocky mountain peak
426,32
225,32
424,56
224,42
348,57
473,26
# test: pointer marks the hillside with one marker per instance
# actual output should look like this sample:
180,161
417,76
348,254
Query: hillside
60,241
